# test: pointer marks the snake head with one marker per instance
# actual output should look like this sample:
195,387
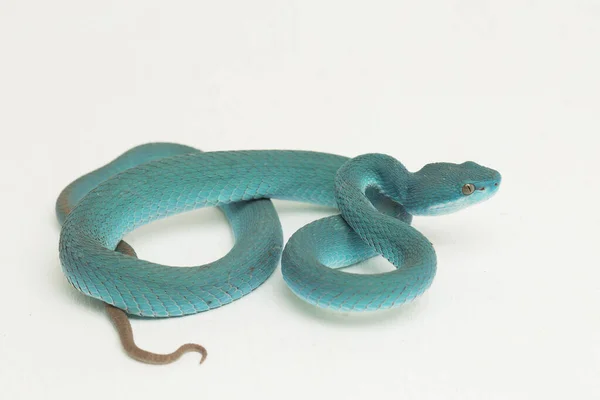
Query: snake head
443,188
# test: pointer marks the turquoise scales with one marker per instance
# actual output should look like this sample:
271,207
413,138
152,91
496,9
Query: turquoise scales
375,194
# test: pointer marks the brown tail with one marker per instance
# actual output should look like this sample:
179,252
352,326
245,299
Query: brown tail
121,322
123,326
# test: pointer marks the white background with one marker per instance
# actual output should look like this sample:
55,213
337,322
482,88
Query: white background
514,85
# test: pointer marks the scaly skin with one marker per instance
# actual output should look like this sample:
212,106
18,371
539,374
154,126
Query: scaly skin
158,180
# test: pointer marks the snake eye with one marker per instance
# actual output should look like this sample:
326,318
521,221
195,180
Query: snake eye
468,189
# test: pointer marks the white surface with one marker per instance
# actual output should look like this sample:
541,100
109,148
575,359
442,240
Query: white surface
513,312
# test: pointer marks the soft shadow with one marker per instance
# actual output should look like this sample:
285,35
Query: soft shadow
404,312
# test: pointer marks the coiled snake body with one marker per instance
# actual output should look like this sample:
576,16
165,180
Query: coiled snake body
375,194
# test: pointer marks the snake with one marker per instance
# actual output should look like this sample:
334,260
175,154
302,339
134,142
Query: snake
376,195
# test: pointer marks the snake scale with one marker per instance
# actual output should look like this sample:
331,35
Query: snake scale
375,194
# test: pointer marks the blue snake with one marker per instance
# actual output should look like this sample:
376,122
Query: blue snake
375,194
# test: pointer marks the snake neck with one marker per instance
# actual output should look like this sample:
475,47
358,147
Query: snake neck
394,239
371,173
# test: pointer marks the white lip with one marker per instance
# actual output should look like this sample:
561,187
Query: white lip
446,208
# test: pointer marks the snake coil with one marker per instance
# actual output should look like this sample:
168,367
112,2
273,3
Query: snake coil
376,195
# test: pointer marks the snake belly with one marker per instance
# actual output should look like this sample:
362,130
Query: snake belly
157,180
